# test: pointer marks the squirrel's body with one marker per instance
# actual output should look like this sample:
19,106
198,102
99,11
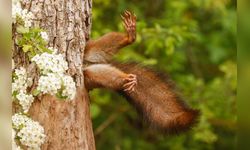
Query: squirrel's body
154,98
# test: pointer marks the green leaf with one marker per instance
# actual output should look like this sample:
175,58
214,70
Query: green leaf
150,62
21,29
169,42
36,30
31,54
35,92
26,48
43,49
95,110
14,77
59,95
20,41
14,94
48,50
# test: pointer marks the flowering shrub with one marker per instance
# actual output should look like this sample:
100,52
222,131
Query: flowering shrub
50,63
25,100
19,86
21,15
21,81
44,35
31,133
49,83
53,79
14,145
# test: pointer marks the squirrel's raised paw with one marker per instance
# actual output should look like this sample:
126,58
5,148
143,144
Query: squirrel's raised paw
131,82
129,22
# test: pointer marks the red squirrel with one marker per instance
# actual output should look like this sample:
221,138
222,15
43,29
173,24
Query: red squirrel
152,96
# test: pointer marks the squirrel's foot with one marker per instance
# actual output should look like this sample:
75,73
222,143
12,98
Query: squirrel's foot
131,82
129,22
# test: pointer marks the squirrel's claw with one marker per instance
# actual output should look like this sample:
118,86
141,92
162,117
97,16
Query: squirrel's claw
132,82
129,19
129,23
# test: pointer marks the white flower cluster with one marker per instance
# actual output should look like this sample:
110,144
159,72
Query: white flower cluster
20,84
50,63
49,83
45,36
21,81
69,87
25,100
54,79
17,11
31,133
27,17
14,146
18,120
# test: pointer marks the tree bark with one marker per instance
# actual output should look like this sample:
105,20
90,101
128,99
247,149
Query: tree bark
67,124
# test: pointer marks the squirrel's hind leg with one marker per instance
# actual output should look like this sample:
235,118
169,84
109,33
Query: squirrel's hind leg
107,76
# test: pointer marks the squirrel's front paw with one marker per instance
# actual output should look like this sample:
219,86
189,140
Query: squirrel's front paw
129,21
131,82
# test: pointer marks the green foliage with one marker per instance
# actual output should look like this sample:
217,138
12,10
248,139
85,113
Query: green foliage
195,42
36,92
31,41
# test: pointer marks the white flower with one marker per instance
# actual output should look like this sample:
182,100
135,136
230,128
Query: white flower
49,83
54,80
31,133
21,81
17,11
19,120
14,146
20,72
27,17
52,83
69,87
50,63
19,86
45,36
25,100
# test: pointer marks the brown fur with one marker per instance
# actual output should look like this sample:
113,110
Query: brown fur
154,96
157,101
102,49
104,75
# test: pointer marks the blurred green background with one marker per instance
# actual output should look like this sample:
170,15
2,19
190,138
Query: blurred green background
194,41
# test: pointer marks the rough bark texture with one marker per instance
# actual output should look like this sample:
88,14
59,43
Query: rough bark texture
67,123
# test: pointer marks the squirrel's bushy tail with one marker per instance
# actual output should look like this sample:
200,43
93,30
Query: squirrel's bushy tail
157,101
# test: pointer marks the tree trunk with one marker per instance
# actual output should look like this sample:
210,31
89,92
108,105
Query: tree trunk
67,124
